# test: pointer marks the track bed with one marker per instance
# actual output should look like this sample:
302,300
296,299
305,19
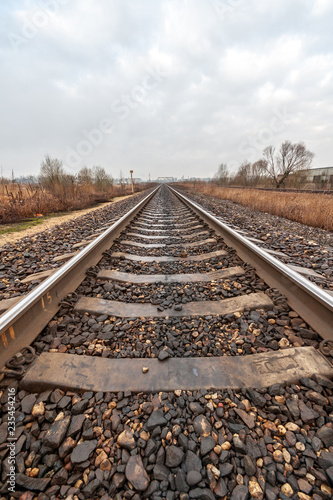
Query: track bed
173,371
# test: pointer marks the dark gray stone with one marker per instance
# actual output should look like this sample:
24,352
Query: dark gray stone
91,487
323,381
196,408
180,481
248,419
292,405
226,469
75,425
271,493
118,480
163,355
202,494
316,398
161,473
32,483
239,445
316,444
136,473
28,402
115,420
329,473
206,445
307,414
271,477
326,435
326,459
77,340
80,406
56,433
240,492
193,477
219,412
275,390
156,419
252,448
201,426
56,395
311,384
192,461
60,477
258,399
249,466
303,485
290,438
151,447
174,456
82,451
153,486
64,402
221,489
3,432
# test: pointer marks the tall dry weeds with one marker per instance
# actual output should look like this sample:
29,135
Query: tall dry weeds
312,209
20,202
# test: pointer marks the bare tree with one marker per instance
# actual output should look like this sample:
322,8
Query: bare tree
53,177
85,176
290,158
51,172
121,179
243,175
258,173
102,180
222,175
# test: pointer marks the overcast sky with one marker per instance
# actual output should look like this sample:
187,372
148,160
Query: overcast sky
163,87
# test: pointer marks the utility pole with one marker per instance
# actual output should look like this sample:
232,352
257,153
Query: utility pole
131,172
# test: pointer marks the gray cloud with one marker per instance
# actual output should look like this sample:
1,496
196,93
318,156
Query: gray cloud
183,85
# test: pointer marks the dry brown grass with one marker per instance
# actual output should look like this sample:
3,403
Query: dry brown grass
309,208
20,202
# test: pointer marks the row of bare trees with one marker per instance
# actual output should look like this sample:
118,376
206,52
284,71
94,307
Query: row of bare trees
63,185
276,168
57,190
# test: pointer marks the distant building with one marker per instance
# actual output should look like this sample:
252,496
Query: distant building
166,179
319,178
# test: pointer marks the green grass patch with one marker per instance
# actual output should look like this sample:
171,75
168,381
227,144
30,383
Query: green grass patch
19,226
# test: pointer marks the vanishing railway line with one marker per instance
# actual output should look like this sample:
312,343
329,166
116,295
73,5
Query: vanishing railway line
170,300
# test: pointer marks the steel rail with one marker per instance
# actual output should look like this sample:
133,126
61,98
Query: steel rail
312,303
23,322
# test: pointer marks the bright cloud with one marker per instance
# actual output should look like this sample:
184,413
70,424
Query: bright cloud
168,88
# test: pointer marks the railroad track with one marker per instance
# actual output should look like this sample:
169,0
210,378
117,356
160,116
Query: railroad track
169,300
